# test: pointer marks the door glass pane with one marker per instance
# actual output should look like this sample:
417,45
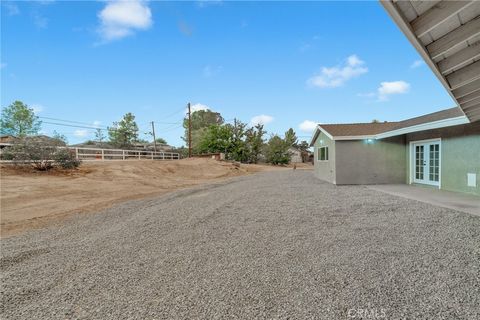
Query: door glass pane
419,162
434,162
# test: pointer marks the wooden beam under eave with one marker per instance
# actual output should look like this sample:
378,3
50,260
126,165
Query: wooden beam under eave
454,38
466,89
472,103
469,97
474,112
436,15
464,76
474,118
460,58
473,109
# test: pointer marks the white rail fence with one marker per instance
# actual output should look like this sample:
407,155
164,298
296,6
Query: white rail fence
95,154
120,154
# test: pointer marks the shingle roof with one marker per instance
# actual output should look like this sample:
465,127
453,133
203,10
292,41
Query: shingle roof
367,129
358,129
431,117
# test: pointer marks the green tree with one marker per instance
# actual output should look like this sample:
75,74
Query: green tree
201,120
99,135
60,137
276,151
304,145
19,120
254,142
124,132
216,138
161,140
291,138
239,150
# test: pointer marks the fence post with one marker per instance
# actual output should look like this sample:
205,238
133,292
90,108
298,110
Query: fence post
123,153
152,155
138,155
103,155
76,153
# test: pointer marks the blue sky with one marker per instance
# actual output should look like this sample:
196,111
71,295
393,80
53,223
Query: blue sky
287,64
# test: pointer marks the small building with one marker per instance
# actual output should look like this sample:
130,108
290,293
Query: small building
441,149
296,155
7,139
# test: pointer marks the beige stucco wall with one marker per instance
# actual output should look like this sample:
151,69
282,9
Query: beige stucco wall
325,170
373,162
460,154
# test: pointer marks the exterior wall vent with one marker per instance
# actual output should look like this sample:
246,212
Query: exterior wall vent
472,179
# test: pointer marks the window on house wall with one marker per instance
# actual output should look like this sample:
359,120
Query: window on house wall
322,154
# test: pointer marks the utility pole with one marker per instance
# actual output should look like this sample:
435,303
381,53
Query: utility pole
189,131
154,140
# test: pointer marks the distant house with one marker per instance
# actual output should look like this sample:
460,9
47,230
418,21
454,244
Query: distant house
7,138
440,149
298,155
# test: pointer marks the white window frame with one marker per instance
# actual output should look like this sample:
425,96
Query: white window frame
319,153
412,161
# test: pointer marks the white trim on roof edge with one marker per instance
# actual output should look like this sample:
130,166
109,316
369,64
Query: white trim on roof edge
425,126
419,127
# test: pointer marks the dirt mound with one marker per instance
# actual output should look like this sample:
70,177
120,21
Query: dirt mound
32,199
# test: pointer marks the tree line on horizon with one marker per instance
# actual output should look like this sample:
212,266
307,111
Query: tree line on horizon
210,134
238,141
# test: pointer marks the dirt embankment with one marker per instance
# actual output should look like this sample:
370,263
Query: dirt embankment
34,199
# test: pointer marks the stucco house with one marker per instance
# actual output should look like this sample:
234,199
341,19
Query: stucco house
440,149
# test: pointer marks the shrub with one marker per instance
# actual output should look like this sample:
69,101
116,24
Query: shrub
66,159
41,155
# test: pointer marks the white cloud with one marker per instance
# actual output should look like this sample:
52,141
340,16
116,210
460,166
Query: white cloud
337,76
386,89
80,133
308,126
416,64
198,107
261,119
393,87
121,18
37,108
97,123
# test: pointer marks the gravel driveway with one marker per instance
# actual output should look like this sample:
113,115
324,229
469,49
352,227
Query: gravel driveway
272,245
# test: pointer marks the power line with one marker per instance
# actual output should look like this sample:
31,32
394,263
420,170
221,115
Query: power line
75,126
174,113
71,121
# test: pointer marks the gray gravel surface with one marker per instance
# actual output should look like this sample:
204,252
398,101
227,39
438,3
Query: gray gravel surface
271,245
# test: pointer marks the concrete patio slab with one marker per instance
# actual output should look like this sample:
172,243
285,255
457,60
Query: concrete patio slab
453,200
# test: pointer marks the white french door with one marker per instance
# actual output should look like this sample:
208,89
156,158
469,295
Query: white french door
426,162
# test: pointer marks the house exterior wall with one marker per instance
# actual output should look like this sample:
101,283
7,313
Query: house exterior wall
460,154
375,162
296,155
325,170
